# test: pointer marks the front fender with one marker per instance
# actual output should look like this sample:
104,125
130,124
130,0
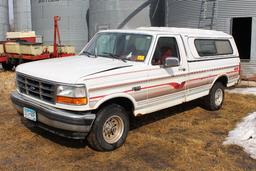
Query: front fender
113,96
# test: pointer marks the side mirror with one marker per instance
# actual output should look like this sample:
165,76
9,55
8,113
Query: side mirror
171,62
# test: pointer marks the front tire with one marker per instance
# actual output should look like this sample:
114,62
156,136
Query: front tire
110,128
215,98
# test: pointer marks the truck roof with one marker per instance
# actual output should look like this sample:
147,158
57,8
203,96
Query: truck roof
175,30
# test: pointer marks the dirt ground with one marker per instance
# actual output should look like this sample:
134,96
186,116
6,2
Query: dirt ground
185,137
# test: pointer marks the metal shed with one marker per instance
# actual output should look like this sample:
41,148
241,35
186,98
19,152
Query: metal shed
234,17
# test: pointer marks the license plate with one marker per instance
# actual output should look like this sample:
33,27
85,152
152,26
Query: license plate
29,114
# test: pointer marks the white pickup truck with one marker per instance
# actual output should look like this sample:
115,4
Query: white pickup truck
123,73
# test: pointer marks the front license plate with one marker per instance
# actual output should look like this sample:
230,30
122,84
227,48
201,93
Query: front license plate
29,114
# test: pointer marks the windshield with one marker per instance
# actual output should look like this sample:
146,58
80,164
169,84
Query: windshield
123,46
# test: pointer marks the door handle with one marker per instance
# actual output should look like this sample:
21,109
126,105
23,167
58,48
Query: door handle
182,69
138,88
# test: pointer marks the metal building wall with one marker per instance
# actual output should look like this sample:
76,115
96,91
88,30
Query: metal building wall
109,14
231,9
4,19
186,13
182,13
22,15
73,24
242,8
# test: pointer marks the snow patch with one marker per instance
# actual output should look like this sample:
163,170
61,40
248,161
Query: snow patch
244,135
250,90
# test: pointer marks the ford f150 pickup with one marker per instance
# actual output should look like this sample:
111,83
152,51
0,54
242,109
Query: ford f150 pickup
123,73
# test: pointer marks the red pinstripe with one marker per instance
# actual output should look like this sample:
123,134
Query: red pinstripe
173,84
160,68
115,85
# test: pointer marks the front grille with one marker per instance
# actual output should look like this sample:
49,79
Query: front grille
36,88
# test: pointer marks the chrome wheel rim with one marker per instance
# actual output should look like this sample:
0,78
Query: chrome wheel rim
113,129
218,97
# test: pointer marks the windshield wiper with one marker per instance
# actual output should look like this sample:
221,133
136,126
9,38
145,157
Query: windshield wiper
89,54
114,56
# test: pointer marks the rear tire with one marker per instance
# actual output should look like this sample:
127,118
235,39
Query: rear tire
110,128
215,98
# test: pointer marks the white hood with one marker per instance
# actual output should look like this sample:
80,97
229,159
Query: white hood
69,69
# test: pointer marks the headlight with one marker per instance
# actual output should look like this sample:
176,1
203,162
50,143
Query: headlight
74,95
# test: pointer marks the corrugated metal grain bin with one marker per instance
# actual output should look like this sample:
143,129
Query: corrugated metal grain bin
22,15
73,24
183,13
4,19
112,14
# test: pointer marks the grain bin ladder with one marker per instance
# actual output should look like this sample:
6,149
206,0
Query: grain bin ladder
206,18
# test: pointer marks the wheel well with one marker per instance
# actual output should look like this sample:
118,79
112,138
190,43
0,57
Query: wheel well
122,101
223,80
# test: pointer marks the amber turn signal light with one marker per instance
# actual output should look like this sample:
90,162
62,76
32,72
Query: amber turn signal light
72,100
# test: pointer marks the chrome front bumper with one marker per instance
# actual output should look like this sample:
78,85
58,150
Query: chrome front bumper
55,120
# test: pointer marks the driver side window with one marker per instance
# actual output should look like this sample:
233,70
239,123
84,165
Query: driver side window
166,47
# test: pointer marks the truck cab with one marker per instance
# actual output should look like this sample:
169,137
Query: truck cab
124,73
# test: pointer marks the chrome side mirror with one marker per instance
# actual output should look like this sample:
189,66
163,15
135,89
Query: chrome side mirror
171,62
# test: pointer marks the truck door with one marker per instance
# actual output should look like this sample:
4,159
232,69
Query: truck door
167,84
